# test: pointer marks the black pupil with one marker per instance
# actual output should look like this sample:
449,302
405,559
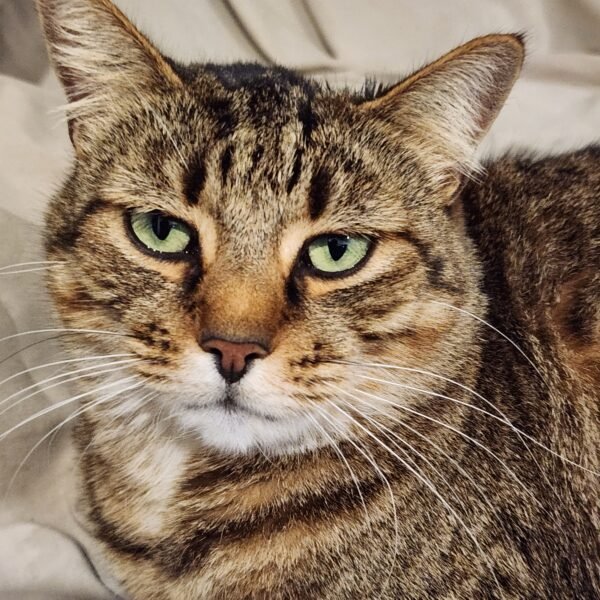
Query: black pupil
337,247
161,227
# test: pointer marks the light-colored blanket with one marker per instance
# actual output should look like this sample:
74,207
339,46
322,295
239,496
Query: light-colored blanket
555,106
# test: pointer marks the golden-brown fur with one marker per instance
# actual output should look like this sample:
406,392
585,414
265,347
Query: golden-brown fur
425,426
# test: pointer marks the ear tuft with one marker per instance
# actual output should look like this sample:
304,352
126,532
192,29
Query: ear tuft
99,54
444,109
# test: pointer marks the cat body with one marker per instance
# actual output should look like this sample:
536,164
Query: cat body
363,367
202,525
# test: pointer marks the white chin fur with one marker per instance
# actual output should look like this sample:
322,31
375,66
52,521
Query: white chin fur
242,433
266,417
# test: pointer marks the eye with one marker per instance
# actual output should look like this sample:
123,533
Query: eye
160,233
336,254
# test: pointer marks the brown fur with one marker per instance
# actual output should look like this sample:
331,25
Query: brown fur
429,493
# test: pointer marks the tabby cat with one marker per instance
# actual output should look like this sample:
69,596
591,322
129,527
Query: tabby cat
363,364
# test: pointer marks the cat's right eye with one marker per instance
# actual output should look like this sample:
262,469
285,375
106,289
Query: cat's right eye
160,233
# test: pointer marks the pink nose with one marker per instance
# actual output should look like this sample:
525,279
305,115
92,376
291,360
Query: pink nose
233,357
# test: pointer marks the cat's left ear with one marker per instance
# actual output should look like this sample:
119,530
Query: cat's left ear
100,58
442,111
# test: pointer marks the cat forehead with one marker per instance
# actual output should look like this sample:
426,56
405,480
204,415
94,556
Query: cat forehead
255,153
270,148
250,95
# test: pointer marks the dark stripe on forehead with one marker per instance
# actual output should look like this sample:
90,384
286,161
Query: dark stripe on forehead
194,180
308,119
257,155
296,169
226,161
318,193
222,111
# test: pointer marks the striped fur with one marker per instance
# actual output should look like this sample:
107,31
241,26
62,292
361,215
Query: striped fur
321,474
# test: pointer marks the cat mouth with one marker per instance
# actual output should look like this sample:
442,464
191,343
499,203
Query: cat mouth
232,406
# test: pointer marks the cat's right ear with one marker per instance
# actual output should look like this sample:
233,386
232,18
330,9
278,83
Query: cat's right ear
99,56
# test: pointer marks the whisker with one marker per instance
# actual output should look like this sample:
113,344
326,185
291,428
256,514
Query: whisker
124,410
416,432
501,333
425,481
60,404
438,395
33,344
519,432
339,452
144,400
61,330
435,376
453,429
394,438
330,419
32,270
89,372
55,430
134,405
504,420
174,438
32,263
63,362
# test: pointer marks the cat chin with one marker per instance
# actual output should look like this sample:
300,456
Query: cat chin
239,431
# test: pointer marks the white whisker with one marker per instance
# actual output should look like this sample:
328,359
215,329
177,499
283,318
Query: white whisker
118,415
89,372
58,405
425,481
416,432
514,344
32,345
339,452
63,362
76,414
32,263
504,420
394,438
60,330
22,271
519,432
380,474
437,395
457,431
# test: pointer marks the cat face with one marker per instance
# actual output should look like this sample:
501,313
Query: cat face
260,243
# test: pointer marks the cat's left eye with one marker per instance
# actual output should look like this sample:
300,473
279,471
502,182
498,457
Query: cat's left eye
332,255
160,233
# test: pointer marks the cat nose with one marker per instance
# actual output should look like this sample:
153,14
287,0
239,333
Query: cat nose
233,358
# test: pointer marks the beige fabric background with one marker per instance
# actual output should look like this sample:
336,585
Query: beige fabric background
555,106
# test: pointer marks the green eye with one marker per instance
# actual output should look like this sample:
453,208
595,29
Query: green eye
332,254
160,233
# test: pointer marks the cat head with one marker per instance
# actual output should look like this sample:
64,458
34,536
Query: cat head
260,242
